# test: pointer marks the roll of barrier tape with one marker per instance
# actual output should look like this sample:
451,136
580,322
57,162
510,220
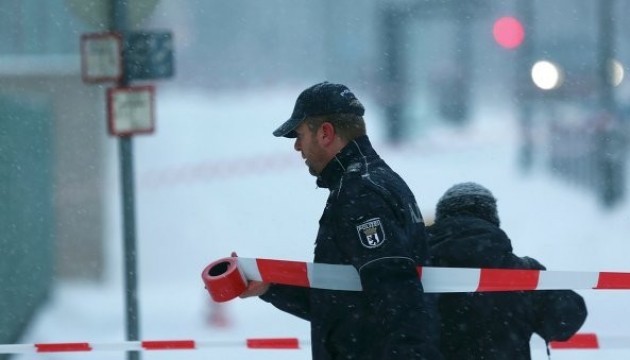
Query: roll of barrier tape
224,280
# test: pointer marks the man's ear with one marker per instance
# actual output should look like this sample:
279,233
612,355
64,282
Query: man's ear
328,133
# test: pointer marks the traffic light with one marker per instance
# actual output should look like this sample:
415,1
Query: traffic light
508,32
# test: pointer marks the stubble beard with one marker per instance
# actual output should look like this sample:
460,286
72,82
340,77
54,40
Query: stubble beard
311,170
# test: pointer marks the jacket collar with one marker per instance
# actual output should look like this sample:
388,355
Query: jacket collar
354,155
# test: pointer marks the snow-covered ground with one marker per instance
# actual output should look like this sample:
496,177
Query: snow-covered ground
213,179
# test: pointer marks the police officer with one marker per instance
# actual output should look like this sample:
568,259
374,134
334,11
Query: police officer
372,222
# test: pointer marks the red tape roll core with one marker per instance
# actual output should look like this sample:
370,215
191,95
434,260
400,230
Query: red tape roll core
224,280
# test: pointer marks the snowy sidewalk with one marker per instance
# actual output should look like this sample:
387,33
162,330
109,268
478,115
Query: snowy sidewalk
182,227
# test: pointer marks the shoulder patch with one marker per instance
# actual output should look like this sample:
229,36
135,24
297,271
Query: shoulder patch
354,167
371,233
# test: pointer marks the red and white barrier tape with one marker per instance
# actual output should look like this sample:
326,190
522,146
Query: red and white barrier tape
589,341
207,171
254,343
585,341
225,169
226,278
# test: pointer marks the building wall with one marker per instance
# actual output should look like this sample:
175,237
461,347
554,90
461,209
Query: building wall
26,210
75,115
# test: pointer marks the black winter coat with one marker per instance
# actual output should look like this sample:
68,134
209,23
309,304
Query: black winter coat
495,325
371,221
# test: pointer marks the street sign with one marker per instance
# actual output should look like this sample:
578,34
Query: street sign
101,57
148,55
130,110
98,13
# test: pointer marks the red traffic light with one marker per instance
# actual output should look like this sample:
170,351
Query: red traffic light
508,32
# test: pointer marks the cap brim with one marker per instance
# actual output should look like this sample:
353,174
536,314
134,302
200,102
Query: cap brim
288,128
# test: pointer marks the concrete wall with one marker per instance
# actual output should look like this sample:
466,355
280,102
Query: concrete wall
77,148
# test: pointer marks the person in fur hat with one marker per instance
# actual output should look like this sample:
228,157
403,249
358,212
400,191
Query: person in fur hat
492,325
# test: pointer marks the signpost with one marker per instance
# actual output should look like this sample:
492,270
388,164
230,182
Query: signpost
101,57
148,55
130,110
120,55
139,55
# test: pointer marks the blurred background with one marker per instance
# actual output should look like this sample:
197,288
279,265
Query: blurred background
554,69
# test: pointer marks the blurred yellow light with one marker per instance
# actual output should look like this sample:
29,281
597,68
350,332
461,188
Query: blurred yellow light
546,75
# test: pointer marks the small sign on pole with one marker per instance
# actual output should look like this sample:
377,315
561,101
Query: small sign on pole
148,55
130,110
101,57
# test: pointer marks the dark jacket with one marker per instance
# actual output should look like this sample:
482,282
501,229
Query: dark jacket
495,325
371,221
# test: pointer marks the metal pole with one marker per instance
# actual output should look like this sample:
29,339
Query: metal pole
606,54
392,24
463,60
606,151
525,9
129,228
119,23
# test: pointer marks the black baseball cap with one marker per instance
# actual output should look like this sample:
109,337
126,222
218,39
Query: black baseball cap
320,99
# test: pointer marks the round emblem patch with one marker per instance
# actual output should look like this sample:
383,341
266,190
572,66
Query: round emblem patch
371,233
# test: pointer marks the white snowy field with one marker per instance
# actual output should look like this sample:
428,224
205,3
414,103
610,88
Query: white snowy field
213,179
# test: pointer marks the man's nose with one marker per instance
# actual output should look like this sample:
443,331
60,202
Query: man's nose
296,145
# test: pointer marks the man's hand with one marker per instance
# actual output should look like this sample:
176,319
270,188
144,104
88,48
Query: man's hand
254,288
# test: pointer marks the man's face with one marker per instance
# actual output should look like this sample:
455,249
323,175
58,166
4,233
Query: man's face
307,142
